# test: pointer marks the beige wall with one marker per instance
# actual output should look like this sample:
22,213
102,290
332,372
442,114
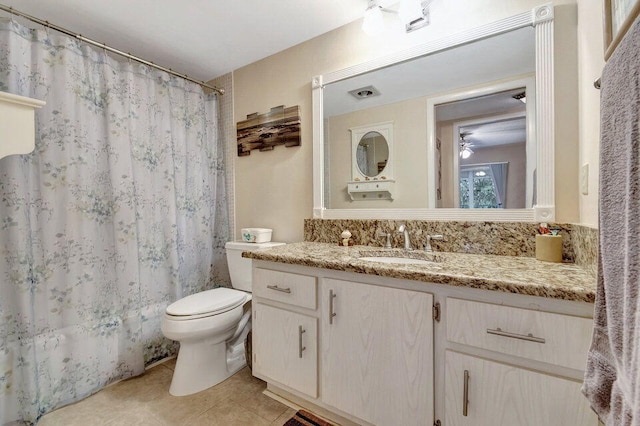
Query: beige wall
444,134
591,57
274,189
566,113
409,154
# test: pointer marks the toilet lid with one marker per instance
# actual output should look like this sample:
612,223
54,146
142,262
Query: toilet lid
208,302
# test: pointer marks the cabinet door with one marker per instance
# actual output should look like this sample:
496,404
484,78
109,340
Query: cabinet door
377,353
499,394
285,348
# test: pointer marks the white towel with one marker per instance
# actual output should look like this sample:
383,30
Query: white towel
612,379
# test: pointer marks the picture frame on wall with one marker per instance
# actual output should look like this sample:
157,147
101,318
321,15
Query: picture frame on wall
618,17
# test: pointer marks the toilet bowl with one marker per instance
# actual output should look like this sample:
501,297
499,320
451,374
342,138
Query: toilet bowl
211,327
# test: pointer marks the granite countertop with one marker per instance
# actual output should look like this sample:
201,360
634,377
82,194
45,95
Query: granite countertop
521,275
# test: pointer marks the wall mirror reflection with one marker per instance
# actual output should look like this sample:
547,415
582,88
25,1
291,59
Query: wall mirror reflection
476,102
400,93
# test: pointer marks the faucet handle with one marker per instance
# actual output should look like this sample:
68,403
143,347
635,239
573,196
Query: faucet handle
427,246
387,235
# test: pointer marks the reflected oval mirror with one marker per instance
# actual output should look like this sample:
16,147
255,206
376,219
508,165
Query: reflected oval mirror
372,154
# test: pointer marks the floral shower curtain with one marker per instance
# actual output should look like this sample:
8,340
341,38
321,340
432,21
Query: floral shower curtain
119,211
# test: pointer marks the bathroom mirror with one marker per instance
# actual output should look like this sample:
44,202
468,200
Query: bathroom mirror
406,88
372,154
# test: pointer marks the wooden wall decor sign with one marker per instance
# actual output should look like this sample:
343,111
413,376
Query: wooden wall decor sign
280,126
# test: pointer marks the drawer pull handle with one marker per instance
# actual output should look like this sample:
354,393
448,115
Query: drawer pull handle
530,337
332,314
276,288
465,394
300,347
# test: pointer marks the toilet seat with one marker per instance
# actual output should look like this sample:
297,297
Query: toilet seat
206,303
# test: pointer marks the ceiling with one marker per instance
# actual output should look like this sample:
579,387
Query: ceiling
495,133
501,56
201,38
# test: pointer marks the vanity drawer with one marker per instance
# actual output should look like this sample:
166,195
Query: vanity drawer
542,336
295,289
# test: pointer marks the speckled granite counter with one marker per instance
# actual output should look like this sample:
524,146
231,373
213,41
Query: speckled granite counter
521,275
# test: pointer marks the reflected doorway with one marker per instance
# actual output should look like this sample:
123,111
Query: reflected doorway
484,151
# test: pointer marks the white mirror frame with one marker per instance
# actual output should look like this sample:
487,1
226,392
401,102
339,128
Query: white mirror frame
541,18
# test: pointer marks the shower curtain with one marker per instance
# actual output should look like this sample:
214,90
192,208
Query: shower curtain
119,211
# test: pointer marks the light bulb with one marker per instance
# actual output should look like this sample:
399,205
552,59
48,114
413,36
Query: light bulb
373,21
465,153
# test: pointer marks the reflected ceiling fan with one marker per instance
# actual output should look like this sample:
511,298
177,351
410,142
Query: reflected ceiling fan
465,147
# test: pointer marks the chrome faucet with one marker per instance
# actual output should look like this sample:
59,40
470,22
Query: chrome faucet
407,242
427,246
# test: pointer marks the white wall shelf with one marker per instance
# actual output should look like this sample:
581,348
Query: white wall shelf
17,123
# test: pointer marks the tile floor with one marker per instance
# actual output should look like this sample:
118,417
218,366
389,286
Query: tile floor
145,401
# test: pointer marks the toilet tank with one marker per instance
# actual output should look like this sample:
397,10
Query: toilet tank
240,267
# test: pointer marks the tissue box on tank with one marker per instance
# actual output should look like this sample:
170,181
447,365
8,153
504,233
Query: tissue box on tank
256,235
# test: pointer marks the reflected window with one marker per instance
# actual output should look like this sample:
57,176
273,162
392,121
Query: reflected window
478,188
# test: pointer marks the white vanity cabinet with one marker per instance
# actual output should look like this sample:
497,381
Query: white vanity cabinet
377,352
285,347
285,342
369,350
481,391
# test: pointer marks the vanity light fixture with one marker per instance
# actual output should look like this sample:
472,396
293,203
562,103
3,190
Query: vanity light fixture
373,22
414,14
522,97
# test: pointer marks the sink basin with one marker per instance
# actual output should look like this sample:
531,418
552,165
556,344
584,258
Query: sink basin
401,260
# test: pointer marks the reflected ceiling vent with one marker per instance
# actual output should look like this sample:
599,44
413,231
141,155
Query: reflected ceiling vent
364,92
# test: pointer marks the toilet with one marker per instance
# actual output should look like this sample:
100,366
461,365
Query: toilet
211,327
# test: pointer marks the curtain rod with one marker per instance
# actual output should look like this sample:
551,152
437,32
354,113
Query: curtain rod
47,24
